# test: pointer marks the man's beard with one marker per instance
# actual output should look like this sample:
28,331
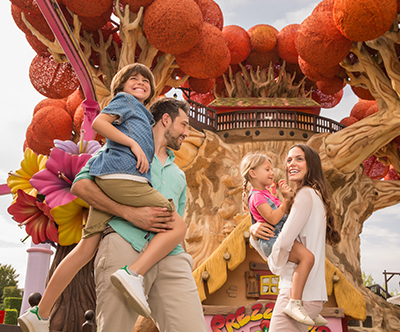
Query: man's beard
173,142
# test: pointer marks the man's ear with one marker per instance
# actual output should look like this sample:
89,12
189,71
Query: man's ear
166,119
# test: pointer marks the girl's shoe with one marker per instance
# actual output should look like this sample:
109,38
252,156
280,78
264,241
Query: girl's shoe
320,321
295,310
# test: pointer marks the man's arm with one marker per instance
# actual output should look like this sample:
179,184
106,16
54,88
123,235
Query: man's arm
153,219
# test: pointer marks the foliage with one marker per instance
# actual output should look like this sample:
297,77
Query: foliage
11,291
13,303
367,279
11,317
8,277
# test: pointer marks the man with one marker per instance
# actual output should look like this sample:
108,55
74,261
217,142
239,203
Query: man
172,292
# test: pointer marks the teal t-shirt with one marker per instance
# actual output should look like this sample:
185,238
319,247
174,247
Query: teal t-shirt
170,181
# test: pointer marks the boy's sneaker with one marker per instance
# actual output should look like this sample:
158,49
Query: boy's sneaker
295,310
320,321
133,289
30,321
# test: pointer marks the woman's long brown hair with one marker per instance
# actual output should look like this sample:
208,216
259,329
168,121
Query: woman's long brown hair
315,179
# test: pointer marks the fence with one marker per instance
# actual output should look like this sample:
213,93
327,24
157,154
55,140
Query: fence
203,117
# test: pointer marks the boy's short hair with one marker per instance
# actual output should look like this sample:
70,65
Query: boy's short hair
120,78
170,106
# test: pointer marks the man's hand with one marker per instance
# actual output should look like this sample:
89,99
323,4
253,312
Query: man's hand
153,219
262,230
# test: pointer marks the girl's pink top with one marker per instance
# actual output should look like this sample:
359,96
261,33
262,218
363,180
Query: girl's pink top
257,198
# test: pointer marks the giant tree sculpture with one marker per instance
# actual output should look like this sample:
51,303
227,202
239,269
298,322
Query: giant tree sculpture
185,44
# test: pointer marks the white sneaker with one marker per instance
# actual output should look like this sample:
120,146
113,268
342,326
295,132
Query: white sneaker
133,289
320,321
30,321
295,310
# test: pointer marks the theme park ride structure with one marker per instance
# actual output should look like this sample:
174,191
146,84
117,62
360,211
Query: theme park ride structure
368,62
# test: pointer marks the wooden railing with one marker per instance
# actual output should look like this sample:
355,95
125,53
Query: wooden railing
203,117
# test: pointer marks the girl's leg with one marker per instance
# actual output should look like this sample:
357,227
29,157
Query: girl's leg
160,246
66,271
305,262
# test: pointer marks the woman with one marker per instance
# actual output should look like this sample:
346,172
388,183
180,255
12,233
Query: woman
310,221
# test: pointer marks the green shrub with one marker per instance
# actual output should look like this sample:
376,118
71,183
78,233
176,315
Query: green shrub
11,317
11,291
13,303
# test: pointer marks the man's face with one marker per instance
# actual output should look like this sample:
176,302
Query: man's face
177,131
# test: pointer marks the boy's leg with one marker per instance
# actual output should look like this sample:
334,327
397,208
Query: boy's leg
66,271
173,297
112,311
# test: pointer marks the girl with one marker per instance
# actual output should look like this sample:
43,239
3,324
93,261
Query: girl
256,168
122,172
310,222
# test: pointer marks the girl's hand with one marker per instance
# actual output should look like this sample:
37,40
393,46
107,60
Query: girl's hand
286,191
142,162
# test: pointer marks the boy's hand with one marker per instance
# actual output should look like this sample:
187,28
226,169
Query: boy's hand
286,191
142,162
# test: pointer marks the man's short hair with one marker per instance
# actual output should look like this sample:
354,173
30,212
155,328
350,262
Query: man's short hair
170,106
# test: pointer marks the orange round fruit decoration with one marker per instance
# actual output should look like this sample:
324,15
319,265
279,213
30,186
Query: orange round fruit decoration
211,12
361,108
362,93
262,38
319,42
78,118
238,43
262,59
200,85
286,43
374,168
97,22
37,45
209,58
36,20
27,6
73,101
88,8
134,5
331,86
48,124
327,101
173,26
325,5
363,20
56,103
51,79
372,110
348,120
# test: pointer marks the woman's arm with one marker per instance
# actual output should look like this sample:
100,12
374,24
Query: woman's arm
103,125
298,217
262,230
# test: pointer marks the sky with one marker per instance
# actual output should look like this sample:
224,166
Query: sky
380,239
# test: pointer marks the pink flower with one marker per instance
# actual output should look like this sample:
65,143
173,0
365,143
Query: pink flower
55,181
36,217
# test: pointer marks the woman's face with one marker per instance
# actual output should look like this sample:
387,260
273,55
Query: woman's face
296,165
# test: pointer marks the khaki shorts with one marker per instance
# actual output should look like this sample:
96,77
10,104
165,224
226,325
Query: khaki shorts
125,192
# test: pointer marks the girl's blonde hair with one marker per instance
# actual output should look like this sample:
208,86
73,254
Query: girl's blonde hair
250,162
120,78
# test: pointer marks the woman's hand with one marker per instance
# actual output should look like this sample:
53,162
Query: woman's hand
262,230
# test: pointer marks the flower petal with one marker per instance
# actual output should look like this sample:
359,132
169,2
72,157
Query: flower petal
70,218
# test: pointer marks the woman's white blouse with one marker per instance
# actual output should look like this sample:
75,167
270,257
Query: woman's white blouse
306,223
